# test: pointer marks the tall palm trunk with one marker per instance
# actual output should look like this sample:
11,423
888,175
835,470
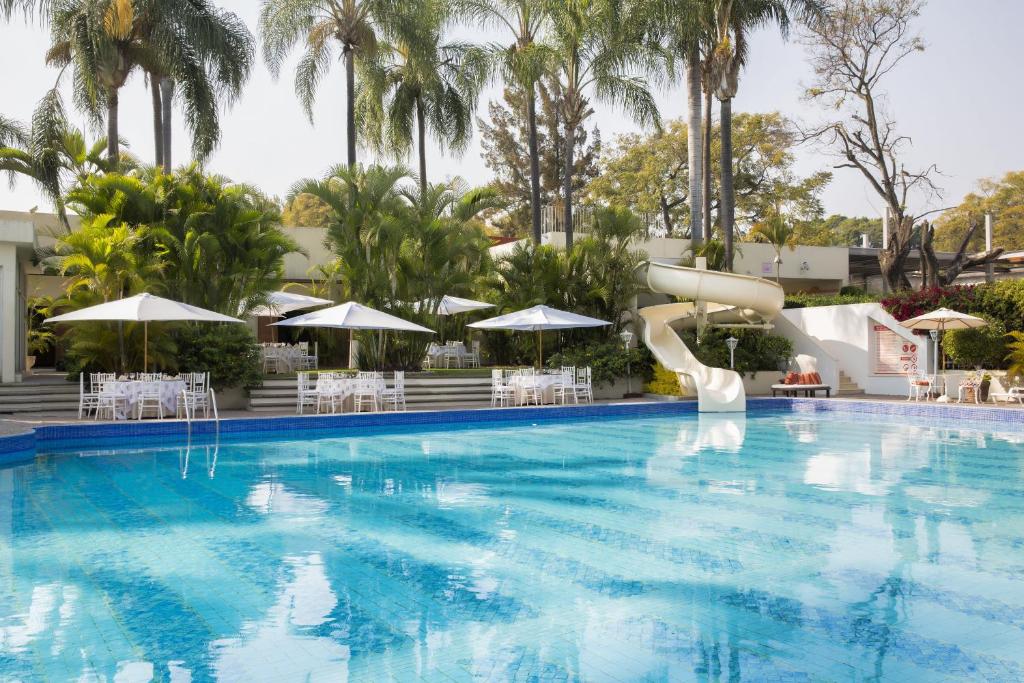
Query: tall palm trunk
158,125
695,156
570,149
531,124
726,201
421,132
166,98
113,143
350,104
706,166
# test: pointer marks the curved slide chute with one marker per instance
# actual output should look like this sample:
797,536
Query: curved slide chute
730,298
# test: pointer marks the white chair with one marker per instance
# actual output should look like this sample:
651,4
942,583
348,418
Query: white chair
472,357
367,391
306,394
110,399
527,388
394,397
329,389
502,393
271,360
452,353
584,388
197,392
88,401
918,386
149,397
565,386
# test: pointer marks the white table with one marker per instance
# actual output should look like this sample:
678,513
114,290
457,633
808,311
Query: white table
546,384
131,390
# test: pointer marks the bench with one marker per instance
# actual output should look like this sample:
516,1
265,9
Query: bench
809,390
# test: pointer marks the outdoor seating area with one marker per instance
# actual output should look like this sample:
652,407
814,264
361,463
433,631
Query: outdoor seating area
526,386
345,392
975,386
284,359
452,354
139,395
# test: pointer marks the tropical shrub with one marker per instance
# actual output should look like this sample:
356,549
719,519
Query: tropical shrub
607,360
228,352
907,304
756,351
1015,357
663,382
978,347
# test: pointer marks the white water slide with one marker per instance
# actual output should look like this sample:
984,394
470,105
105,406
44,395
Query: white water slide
729,299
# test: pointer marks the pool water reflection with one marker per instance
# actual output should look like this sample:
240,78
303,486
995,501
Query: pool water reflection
775,547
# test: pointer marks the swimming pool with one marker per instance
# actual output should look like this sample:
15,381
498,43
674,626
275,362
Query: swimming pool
780,546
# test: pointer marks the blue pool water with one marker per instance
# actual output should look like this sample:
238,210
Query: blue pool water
778,547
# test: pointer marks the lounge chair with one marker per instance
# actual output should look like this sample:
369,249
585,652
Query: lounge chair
806,380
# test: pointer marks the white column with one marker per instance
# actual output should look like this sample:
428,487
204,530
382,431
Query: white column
8,312
989,270
865,241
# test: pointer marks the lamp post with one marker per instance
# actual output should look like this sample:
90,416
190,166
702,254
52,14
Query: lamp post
627,337
934,334
732,343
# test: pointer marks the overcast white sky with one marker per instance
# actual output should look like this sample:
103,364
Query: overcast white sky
960,101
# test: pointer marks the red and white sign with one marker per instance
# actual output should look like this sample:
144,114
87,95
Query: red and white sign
894,355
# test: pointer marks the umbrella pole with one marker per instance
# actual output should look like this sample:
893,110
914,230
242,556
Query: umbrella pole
540,349
350,347
145,346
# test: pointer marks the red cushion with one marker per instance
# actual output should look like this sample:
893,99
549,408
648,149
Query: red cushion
791,378
815,378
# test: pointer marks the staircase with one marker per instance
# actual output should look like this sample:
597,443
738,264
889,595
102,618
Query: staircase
51,394
423,391
847,387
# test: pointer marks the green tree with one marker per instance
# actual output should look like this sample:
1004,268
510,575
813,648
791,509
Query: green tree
420,82
733,21
650,173
522,63
597,46
322,25
506,140
305,211
838,231
1003,198
105,41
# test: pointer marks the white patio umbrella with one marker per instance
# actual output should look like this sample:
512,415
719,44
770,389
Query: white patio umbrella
144,308
943,319
538,319
280,303
451,305
352,316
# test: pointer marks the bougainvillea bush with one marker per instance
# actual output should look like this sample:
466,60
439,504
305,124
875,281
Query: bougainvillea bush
910,304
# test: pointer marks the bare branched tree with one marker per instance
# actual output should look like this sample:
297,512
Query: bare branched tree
851,52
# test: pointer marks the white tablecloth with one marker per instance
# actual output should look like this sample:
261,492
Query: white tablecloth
346,386
170,390
287,356
546,384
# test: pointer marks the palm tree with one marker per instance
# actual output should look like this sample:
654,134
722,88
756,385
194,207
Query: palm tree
352,24
522,62
778,232
595,45
226,49
105,41
420,82
733,20
684,22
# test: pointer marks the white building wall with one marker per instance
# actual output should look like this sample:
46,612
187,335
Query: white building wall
846,333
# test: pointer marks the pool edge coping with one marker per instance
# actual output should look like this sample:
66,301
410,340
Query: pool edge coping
22,446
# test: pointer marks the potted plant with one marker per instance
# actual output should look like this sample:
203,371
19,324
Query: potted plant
986,381
37,341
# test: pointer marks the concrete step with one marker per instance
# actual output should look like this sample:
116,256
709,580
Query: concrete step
40,407
38,390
